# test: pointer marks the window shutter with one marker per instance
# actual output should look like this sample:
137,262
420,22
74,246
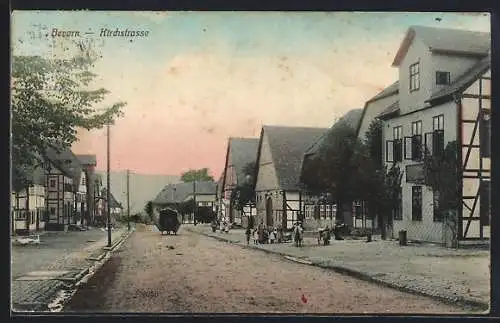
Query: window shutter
485,136
484,203
389,151
428,143
408,148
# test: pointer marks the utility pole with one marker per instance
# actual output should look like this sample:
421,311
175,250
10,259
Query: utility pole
128,199
195,203
108,191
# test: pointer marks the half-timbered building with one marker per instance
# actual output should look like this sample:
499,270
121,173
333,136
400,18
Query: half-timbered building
28,201
86,205
241,155
63,184
278,192
444,96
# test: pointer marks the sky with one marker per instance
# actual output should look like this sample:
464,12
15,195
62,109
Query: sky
199,78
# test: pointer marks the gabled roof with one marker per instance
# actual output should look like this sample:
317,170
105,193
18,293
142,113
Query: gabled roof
463,81
445,40
242,151
352,118
176,193
391,111
113,202
388,91
287,145
87,160
66,162
220,184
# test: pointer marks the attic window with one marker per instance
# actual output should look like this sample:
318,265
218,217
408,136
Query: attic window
442,78
414,77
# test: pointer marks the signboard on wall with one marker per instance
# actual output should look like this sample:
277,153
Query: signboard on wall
415,174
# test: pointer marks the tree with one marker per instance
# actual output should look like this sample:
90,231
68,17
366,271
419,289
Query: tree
339,166
441,172
244,193
51,99
149,210
196,175
383,184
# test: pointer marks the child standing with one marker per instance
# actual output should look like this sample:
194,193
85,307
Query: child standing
272,236
255,236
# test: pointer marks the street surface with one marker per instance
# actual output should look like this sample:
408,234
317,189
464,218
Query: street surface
35,269
193,273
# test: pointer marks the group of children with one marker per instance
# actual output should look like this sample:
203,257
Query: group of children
262,236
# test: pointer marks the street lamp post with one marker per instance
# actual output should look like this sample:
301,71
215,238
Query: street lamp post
108,191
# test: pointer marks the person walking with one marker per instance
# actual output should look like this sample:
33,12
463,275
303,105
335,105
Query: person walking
247,233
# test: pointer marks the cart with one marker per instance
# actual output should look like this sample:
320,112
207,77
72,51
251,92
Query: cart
168,221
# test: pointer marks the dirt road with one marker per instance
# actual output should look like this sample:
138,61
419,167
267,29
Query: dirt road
192,273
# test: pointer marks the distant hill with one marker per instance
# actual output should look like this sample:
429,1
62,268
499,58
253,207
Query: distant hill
143,187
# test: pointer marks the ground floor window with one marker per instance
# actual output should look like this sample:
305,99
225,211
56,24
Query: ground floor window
398,206
416,203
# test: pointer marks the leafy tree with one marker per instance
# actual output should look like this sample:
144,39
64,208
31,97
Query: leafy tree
383,183
441,173
149,210
196,175
244,193
51,99
339,166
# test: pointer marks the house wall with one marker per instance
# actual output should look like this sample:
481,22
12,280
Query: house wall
470,186
267,181
456,65
427,229
30,207
373,109
409,101
57,197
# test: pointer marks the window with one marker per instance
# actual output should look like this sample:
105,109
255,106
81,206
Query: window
416,140
84,180
398,143
398,207
485,206
414,77
416,203
52,183
442,78
438,135
437,214
52,211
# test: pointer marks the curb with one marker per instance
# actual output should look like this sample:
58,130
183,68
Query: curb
363,276
57,305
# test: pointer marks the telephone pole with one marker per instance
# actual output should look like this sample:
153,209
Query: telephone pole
128,199
108,193
195,211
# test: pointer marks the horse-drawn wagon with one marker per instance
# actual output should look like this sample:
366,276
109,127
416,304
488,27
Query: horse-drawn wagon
168,221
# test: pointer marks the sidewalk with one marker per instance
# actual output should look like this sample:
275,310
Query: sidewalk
461,275
39,272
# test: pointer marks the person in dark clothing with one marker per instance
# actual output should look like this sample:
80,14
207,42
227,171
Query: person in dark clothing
247,233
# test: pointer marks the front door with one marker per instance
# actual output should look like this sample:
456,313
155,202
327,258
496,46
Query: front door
269,212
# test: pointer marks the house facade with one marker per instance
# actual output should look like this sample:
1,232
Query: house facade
278,192
28,203
443,96
89,162
63,184
240,155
